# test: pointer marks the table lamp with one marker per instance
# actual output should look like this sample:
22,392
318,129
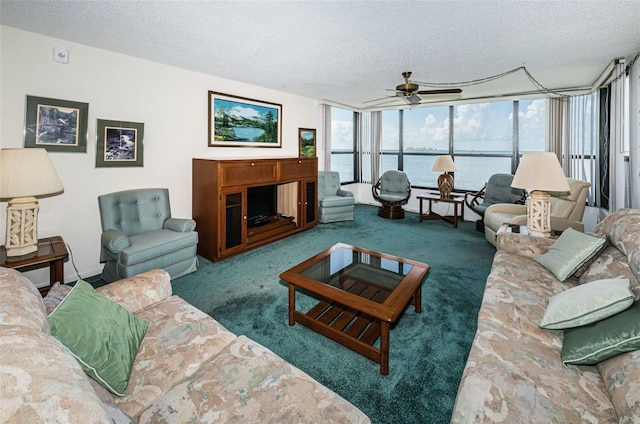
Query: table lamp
540,173
444,164
24,175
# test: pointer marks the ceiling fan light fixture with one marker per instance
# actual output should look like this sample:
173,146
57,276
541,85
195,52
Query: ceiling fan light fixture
407,87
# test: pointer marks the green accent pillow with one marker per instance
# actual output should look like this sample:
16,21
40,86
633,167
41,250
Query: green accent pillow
591,302
101,334
604,339
569,252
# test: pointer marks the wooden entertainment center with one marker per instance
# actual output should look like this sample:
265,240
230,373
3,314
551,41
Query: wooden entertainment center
220,197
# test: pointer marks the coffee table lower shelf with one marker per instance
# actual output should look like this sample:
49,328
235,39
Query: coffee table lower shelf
346,326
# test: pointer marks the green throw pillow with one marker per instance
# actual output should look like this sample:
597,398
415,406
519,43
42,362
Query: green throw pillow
101,334
591,302
569,252
604,339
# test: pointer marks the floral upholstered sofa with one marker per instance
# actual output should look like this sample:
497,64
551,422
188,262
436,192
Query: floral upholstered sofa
188,368
515,372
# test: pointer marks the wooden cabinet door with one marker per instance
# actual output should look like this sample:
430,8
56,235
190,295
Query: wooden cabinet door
248,172
233,222
308,202
298,168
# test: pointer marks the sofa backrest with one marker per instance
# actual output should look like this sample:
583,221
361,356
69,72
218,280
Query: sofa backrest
21,303
570,205
134,211
622,229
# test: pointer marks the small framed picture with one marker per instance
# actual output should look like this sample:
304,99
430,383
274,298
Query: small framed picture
307,142
57,125
119,144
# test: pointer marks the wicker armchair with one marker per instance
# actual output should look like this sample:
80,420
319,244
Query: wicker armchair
392,190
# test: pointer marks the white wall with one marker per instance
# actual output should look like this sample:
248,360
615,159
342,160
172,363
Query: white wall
171,102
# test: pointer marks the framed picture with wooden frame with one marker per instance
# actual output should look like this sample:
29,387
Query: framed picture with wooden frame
119,144
307,142
56,125
242,122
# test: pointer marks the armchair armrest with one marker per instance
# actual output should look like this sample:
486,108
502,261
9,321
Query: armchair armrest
112,242
345,193
507,208
140,291
473,199
561,224
181,225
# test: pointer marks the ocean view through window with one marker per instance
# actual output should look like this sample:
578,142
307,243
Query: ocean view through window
483,138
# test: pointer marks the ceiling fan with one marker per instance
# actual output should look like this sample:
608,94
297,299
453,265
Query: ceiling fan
410,92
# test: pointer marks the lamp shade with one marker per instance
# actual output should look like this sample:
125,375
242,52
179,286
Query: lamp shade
27,172
540,171
444,163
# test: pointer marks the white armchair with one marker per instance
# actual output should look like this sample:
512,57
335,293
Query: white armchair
567,210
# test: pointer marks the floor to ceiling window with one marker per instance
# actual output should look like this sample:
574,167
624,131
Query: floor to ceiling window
483,139
343,144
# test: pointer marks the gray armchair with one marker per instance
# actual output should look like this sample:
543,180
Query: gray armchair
392,190
497,190
334,204
139,234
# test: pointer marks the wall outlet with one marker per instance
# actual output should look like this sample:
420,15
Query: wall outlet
60,55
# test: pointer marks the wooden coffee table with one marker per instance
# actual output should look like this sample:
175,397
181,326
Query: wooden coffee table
363,293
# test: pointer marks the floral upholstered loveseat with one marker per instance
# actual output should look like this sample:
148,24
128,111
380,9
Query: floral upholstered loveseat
188,368
515,373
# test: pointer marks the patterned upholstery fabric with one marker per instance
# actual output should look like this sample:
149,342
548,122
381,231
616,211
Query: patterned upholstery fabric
514,372
185,353
247,383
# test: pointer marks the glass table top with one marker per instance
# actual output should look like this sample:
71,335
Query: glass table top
361,273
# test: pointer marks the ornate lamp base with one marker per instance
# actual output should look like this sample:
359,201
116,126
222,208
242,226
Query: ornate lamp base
539,214
445,184
22,226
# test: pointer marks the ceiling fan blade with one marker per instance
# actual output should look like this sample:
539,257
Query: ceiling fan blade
414,99
441,91
381,98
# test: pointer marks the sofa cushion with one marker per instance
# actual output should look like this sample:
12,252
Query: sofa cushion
510,377
151,244
587,303
179,341
246,382
101,334
24,306
593,343
570,252
41,382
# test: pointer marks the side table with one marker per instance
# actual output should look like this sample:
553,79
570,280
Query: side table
457,200
51,252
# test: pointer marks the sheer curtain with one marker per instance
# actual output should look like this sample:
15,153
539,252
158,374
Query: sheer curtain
326,136
369,146
572,135
618,144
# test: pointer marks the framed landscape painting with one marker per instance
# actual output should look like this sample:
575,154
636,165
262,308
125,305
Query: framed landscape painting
119,144
242,122
307,142
56,125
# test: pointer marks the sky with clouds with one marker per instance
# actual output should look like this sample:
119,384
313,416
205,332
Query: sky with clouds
477,126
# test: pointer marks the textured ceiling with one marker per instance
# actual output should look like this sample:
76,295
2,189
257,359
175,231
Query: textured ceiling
349,52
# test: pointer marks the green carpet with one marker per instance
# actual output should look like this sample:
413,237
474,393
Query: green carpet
427,351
